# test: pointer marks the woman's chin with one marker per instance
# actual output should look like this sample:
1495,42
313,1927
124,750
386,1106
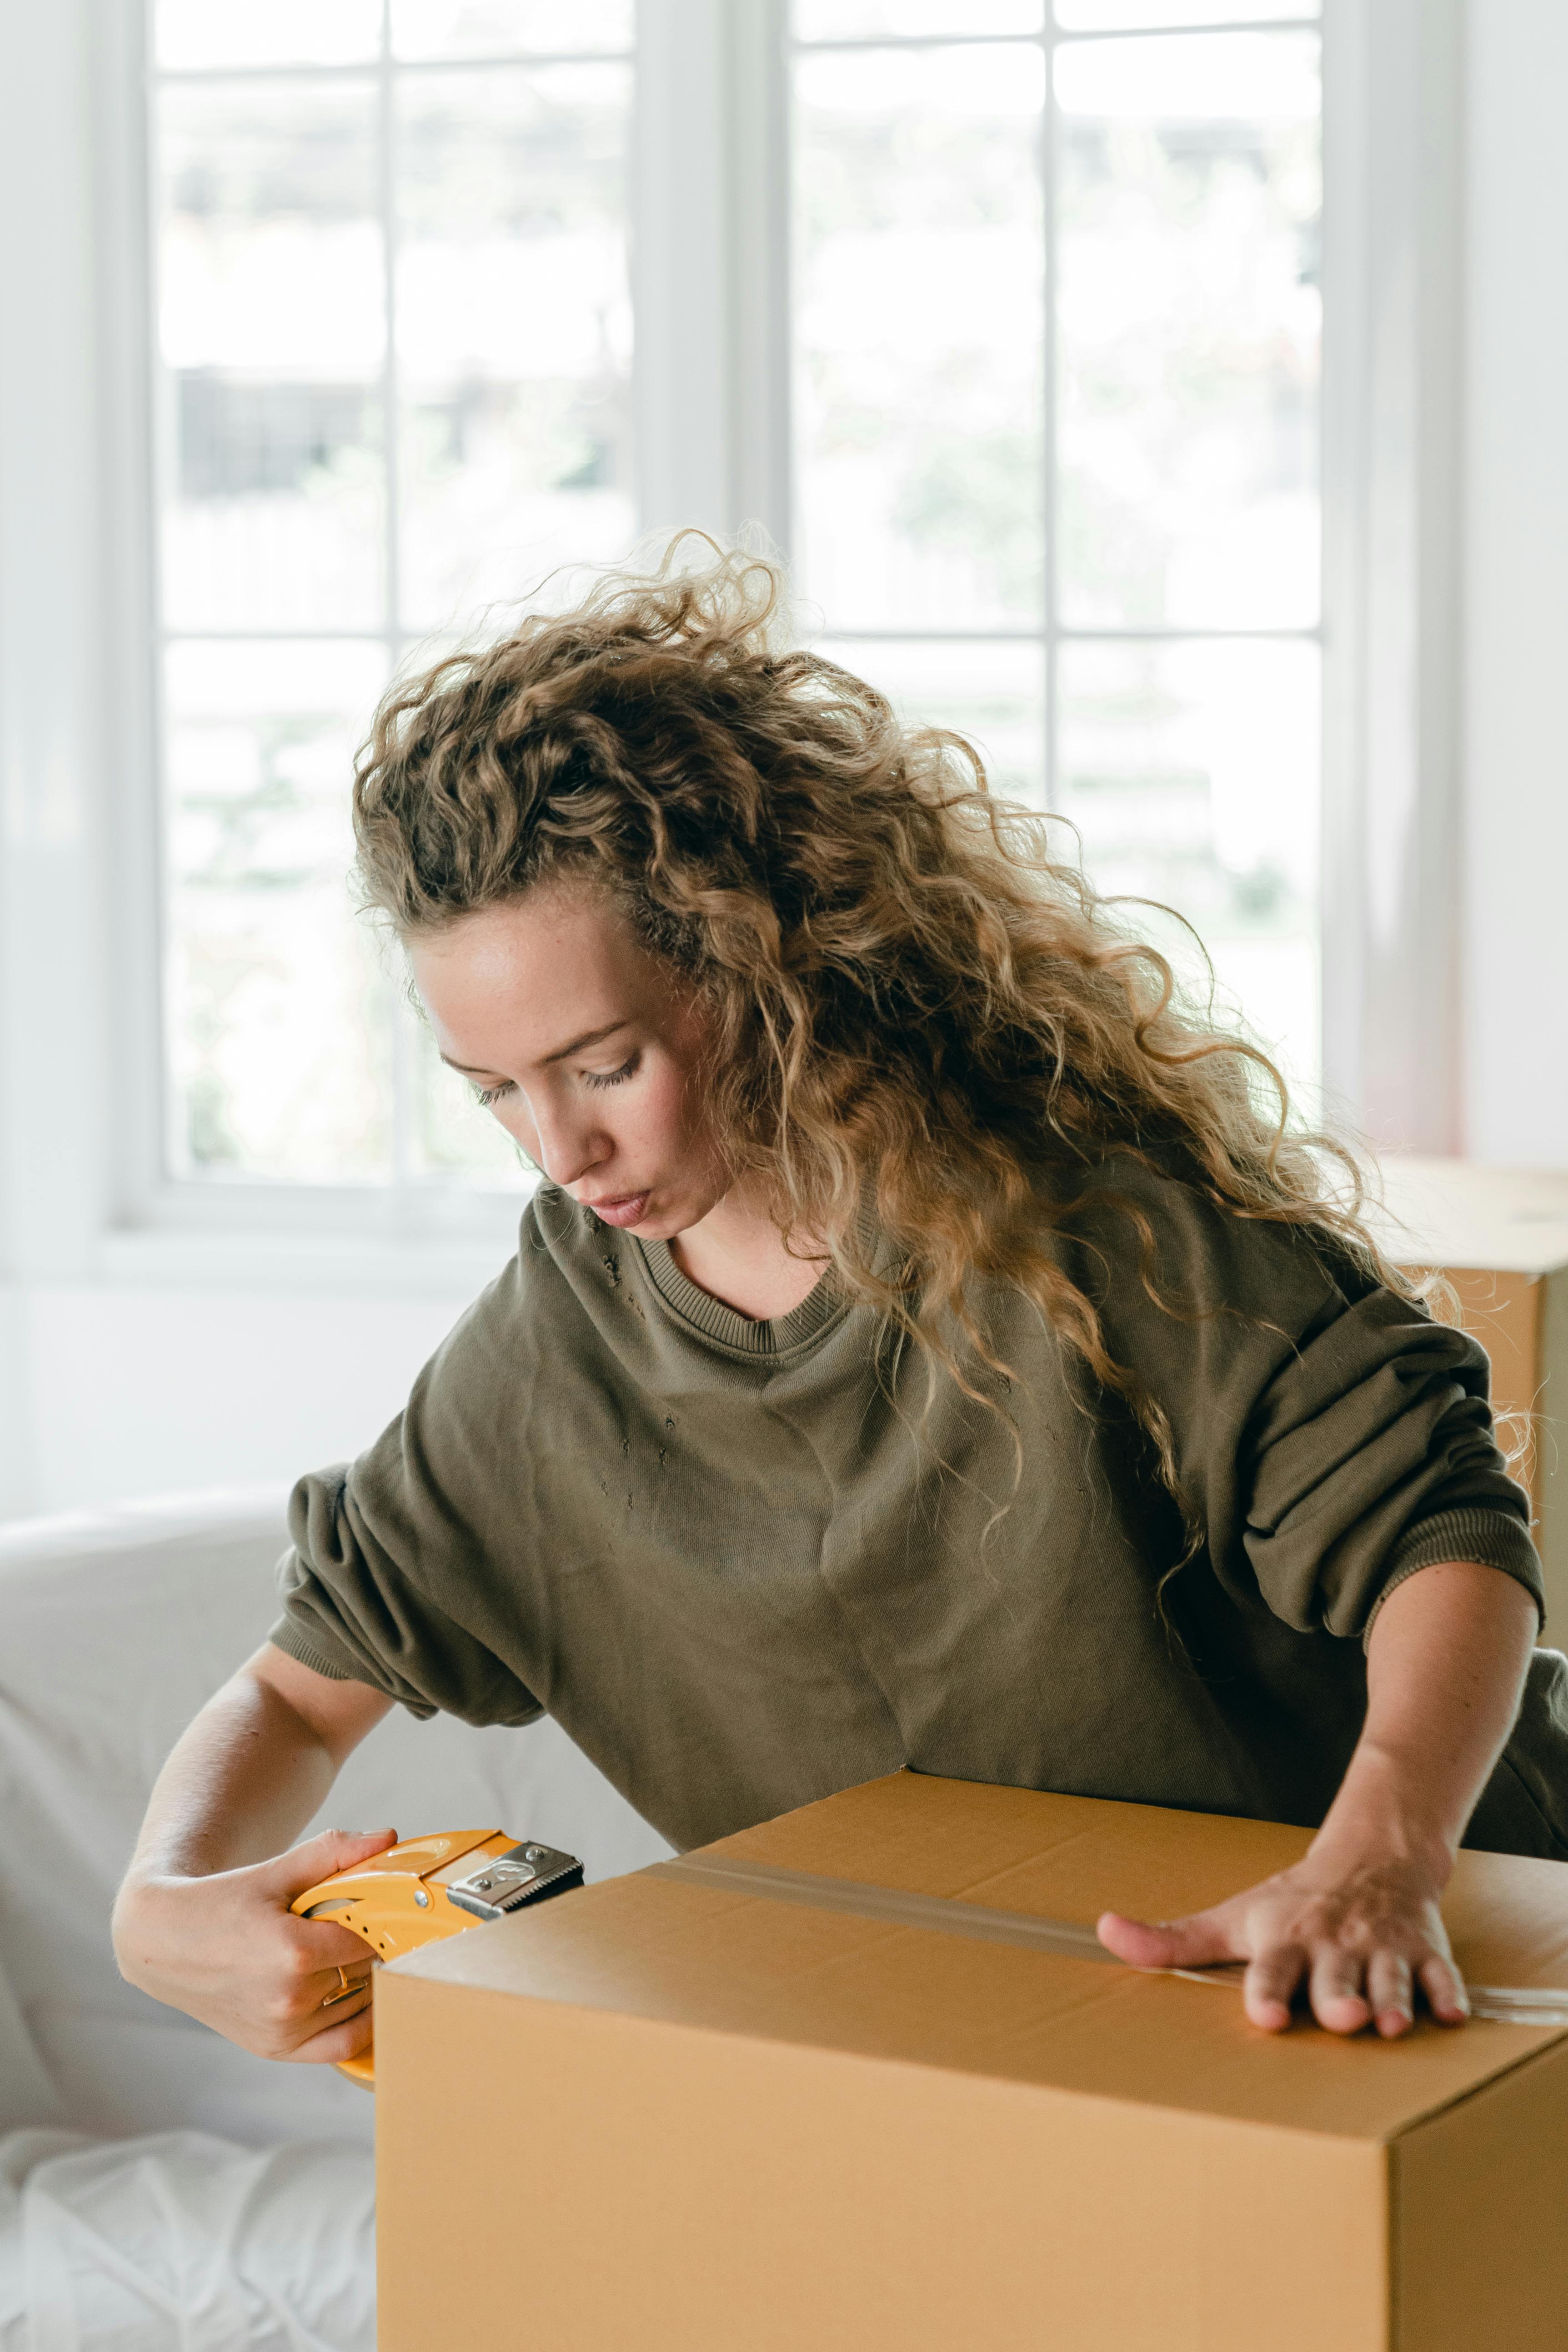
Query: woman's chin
661,1225
661,1222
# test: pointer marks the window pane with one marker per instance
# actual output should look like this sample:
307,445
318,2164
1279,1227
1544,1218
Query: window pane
1133,16
195,32
1190,770
271,334
991,692
452,1137
919,335
849,20
499,28
1189,329
514,331
278,1000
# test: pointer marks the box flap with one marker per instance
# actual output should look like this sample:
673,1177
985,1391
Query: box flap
742,1963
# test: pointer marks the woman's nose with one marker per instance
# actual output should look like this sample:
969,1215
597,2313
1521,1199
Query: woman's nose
566,1148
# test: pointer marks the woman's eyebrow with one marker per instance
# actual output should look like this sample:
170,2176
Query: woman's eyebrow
577,1045
589,1037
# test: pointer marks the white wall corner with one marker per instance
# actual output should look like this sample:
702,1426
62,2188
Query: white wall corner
1515,830
1394,287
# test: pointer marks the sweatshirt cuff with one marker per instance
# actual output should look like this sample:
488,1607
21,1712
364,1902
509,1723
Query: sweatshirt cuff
288,1637
1490,1538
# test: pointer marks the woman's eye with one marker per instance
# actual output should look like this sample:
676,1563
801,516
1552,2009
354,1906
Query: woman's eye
612,1077
486,1095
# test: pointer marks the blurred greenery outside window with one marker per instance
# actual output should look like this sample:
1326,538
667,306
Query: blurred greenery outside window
1054,397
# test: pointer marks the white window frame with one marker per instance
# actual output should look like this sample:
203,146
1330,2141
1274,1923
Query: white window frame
80,1049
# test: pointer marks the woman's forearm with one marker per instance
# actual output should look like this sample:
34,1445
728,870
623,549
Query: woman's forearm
1358,1918
204,1918
1445,1668
251,1770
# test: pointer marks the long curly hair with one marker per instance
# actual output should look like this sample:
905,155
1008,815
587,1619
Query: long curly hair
912,1001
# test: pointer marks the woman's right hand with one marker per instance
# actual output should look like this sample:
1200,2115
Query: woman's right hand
227,1950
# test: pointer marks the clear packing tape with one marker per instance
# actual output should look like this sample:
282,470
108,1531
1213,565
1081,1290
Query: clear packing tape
1066,1939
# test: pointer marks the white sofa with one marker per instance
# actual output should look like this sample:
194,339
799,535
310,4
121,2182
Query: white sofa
158,2187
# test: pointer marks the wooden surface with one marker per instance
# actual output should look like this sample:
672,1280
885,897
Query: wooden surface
1501,1236
1503,1311
1451,1212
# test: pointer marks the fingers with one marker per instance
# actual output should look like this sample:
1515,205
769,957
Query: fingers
1197,1942
323,1857
1361,1945
1391,1994
1204,1940
1334,1989
1270,1985
1444,1989
1348,1993
307,2005
326,1943
292,1994
344,2032
345,1984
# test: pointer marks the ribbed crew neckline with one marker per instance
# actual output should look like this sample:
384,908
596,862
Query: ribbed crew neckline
718,1322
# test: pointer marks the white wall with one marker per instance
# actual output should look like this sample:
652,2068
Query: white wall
138,1391
1516,585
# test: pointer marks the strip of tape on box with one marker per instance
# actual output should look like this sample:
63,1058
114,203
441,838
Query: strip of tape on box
1066,1939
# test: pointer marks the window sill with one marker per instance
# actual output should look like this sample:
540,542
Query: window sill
291,1257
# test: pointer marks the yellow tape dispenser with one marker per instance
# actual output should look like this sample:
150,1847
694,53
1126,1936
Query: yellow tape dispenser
429,1887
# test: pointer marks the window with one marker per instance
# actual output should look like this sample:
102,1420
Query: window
394,375
1051,391
1056,401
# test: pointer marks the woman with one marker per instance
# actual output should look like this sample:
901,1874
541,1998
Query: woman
925,1347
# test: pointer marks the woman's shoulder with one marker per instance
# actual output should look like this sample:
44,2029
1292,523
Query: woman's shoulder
1150,1224
551,1284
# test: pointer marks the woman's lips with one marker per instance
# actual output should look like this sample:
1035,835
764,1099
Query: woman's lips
629,1210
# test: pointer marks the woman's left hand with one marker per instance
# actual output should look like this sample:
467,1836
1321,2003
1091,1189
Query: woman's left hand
1356,1920
1361,1935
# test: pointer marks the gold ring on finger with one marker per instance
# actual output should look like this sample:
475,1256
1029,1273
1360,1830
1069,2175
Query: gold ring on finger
343,1990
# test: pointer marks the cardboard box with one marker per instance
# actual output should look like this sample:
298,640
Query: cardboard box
1500,1235
682,2114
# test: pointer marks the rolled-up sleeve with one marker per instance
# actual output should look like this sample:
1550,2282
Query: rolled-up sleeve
405,1570
1369,1455
1329,1438
354,1610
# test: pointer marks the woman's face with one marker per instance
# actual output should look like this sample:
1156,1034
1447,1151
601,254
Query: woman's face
585,1048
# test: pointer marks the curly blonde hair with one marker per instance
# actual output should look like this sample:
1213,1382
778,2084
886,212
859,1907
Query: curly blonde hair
912,999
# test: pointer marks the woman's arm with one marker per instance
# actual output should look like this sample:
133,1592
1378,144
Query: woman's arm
202,1919
1358,1919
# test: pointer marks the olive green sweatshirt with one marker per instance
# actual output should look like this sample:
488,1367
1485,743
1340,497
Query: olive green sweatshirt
743,1566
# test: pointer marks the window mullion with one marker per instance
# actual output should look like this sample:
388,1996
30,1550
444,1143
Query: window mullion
711,265
762,295
682,346
399,1041
1050,129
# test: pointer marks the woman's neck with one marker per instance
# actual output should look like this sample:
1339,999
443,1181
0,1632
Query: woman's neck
736,1254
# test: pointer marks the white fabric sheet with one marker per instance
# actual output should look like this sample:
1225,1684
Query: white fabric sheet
114,1628
181,2240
